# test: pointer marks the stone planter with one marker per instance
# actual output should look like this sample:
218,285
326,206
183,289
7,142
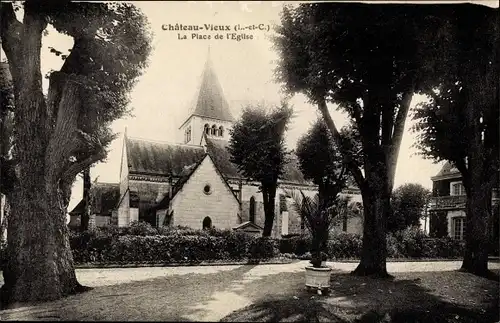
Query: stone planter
318,278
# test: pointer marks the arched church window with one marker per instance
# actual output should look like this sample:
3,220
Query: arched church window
252,210
207,223
207,129
214,130
221,131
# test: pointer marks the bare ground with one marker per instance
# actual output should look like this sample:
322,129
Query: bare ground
271,293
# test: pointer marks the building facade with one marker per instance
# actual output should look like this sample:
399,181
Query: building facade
448,205
194,184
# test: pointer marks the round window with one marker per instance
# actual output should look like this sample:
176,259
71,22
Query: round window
207,189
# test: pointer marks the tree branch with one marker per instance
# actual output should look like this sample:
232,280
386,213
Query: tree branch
77,167
10,33
397,137
64,138
461,165
353,168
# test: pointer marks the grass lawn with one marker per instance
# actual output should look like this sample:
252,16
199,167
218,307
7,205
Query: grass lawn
410,297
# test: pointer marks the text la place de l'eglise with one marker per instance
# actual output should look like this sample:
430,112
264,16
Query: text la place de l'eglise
209,27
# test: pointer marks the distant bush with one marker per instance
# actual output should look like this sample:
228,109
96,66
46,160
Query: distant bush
262,248
408,243
413,243
297,245
344,246
140,229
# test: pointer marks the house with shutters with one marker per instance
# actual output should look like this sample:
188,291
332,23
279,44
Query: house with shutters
194,184
448,204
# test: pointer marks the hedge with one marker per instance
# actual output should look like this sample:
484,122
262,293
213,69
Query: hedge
409,243
173,248
142,243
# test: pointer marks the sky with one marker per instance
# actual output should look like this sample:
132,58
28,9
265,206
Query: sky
161,97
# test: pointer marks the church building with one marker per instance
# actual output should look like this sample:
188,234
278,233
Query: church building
194,184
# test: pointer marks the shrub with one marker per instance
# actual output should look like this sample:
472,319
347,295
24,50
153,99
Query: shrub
344,246
262,248
413,243
140,229
295,244
408,242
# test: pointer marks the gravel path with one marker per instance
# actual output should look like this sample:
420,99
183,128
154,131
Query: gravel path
112,276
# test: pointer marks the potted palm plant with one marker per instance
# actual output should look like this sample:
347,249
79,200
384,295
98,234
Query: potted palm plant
319,219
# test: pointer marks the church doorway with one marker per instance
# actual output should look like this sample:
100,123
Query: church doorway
207,223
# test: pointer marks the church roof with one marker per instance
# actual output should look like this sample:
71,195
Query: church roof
160,158
220,155
183,180
209,100
106,196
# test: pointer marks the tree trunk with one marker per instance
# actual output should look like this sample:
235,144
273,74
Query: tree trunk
269,196
40,263
3,224
374,252
84,221
478,216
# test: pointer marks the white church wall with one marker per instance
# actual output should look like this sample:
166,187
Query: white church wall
123,210
191,205
134,214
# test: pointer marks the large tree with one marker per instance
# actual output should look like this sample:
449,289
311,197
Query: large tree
257,148
408,201
365,59
460,122
58,136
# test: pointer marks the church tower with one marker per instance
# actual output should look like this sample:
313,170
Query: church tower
209,112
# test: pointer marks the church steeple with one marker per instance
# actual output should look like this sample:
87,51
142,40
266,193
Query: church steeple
209,100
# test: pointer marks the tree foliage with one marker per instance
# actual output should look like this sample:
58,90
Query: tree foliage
111,44
257,148
463,108
321,160
257,143
408,201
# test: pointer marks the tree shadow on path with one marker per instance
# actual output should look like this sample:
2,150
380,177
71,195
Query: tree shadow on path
407,297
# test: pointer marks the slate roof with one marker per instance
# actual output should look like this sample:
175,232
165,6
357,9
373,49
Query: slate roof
220,155
106,196
447,169
247,225
217,149
184,176
209,100
160,158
